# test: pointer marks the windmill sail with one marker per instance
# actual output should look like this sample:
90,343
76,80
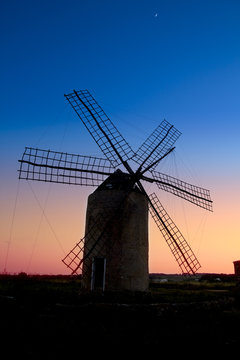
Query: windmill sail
59,167
156,145
178,245
194,194
100,127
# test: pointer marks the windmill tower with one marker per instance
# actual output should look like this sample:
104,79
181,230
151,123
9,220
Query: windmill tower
113,254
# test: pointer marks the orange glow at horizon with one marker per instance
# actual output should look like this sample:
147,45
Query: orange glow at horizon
39,240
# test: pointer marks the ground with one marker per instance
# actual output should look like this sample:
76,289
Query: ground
44,316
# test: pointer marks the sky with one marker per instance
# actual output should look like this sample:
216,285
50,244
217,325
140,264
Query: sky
143,61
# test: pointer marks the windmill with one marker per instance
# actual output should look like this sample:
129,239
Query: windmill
113,254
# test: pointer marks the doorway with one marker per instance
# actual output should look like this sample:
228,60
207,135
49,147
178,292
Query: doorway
98,273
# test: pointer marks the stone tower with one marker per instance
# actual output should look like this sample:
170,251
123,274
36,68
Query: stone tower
120,259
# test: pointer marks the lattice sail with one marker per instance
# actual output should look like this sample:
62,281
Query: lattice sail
73,260
179,247
59,167
194,194
100,127
157,145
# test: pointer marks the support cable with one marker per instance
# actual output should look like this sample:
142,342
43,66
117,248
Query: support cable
38,229
11,228
45,216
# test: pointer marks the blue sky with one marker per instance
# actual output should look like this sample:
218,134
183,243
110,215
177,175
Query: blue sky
182,64
142,60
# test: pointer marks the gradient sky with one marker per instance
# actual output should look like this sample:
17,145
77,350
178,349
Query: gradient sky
143,61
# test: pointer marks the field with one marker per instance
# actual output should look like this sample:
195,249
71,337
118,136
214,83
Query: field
50,316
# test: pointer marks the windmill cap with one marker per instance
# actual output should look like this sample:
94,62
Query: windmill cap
118,181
